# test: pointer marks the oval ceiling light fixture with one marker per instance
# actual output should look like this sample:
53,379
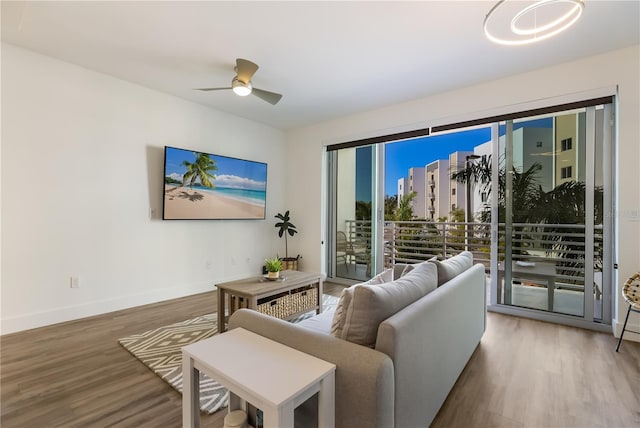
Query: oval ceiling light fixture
506,25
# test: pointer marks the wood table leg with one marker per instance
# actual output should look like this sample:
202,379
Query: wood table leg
319,286
221,310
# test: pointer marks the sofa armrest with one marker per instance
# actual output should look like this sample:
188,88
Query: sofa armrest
364,384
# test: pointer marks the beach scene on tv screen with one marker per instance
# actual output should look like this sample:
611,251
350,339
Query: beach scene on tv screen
205,186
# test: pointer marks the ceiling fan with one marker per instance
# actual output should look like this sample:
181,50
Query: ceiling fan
241,83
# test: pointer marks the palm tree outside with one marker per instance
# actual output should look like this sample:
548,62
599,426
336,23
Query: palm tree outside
404,212
563,205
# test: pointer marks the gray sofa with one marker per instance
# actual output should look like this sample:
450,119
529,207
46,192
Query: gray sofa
419,353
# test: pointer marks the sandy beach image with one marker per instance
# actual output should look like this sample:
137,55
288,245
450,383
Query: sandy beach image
186,203
203,186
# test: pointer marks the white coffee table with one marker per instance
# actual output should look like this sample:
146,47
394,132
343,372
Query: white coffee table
267,374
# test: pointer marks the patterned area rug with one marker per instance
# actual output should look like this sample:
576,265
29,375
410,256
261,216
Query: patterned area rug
160,350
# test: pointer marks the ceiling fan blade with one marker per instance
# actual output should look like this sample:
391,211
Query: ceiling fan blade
270,97
210,89
245,69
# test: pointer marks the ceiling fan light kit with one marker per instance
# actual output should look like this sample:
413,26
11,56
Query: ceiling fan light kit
242,86
533,23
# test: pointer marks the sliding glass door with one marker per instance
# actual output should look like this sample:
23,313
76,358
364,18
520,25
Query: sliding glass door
354,204
554,240
529,196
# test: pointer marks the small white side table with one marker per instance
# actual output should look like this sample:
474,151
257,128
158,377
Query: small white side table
267,374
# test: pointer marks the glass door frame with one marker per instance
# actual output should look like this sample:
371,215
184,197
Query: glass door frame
608,150
377,213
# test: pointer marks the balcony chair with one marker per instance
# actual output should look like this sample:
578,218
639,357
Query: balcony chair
349,253
341,249
631,293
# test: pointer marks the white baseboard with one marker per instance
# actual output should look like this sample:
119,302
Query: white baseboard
70,313
633,337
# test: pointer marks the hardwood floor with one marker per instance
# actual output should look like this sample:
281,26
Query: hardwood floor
525,373
528,373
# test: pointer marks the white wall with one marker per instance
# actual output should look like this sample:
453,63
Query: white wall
82,158
621,67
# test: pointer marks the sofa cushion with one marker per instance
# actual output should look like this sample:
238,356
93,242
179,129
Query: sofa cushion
320,323
452,267
373,303
345,299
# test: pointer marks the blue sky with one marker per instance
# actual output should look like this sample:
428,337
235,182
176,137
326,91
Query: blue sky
402,155
231,172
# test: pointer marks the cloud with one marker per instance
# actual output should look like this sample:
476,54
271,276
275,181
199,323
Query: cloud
175,176
235,182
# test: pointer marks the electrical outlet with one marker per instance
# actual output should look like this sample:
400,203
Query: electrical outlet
74,282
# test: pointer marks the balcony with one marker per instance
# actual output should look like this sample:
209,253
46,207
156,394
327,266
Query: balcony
563,245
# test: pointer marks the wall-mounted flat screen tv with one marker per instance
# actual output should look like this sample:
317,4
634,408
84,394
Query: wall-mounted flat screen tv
203,186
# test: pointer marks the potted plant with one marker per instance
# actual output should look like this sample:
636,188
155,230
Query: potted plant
285,227
273,266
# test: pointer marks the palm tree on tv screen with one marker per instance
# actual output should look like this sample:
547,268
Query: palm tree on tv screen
200,169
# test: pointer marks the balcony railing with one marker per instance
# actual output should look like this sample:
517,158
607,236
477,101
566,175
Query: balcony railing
417,241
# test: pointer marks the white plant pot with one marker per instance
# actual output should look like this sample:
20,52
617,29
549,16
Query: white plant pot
273,275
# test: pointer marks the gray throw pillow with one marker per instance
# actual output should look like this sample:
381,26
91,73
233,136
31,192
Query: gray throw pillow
371,304
452,267
339,316
402,269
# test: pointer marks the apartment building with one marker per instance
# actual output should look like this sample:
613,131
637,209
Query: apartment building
417,184
403,189
437,184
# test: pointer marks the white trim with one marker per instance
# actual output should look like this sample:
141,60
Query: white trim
495,167
567,320
628,335
377,216
589,205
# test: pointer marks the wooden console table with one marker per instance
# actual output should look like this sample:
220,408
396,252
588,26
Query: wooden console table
257,370
293,294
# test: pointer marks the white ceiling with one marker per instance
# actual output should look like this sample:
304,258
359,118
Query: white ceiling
328,59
